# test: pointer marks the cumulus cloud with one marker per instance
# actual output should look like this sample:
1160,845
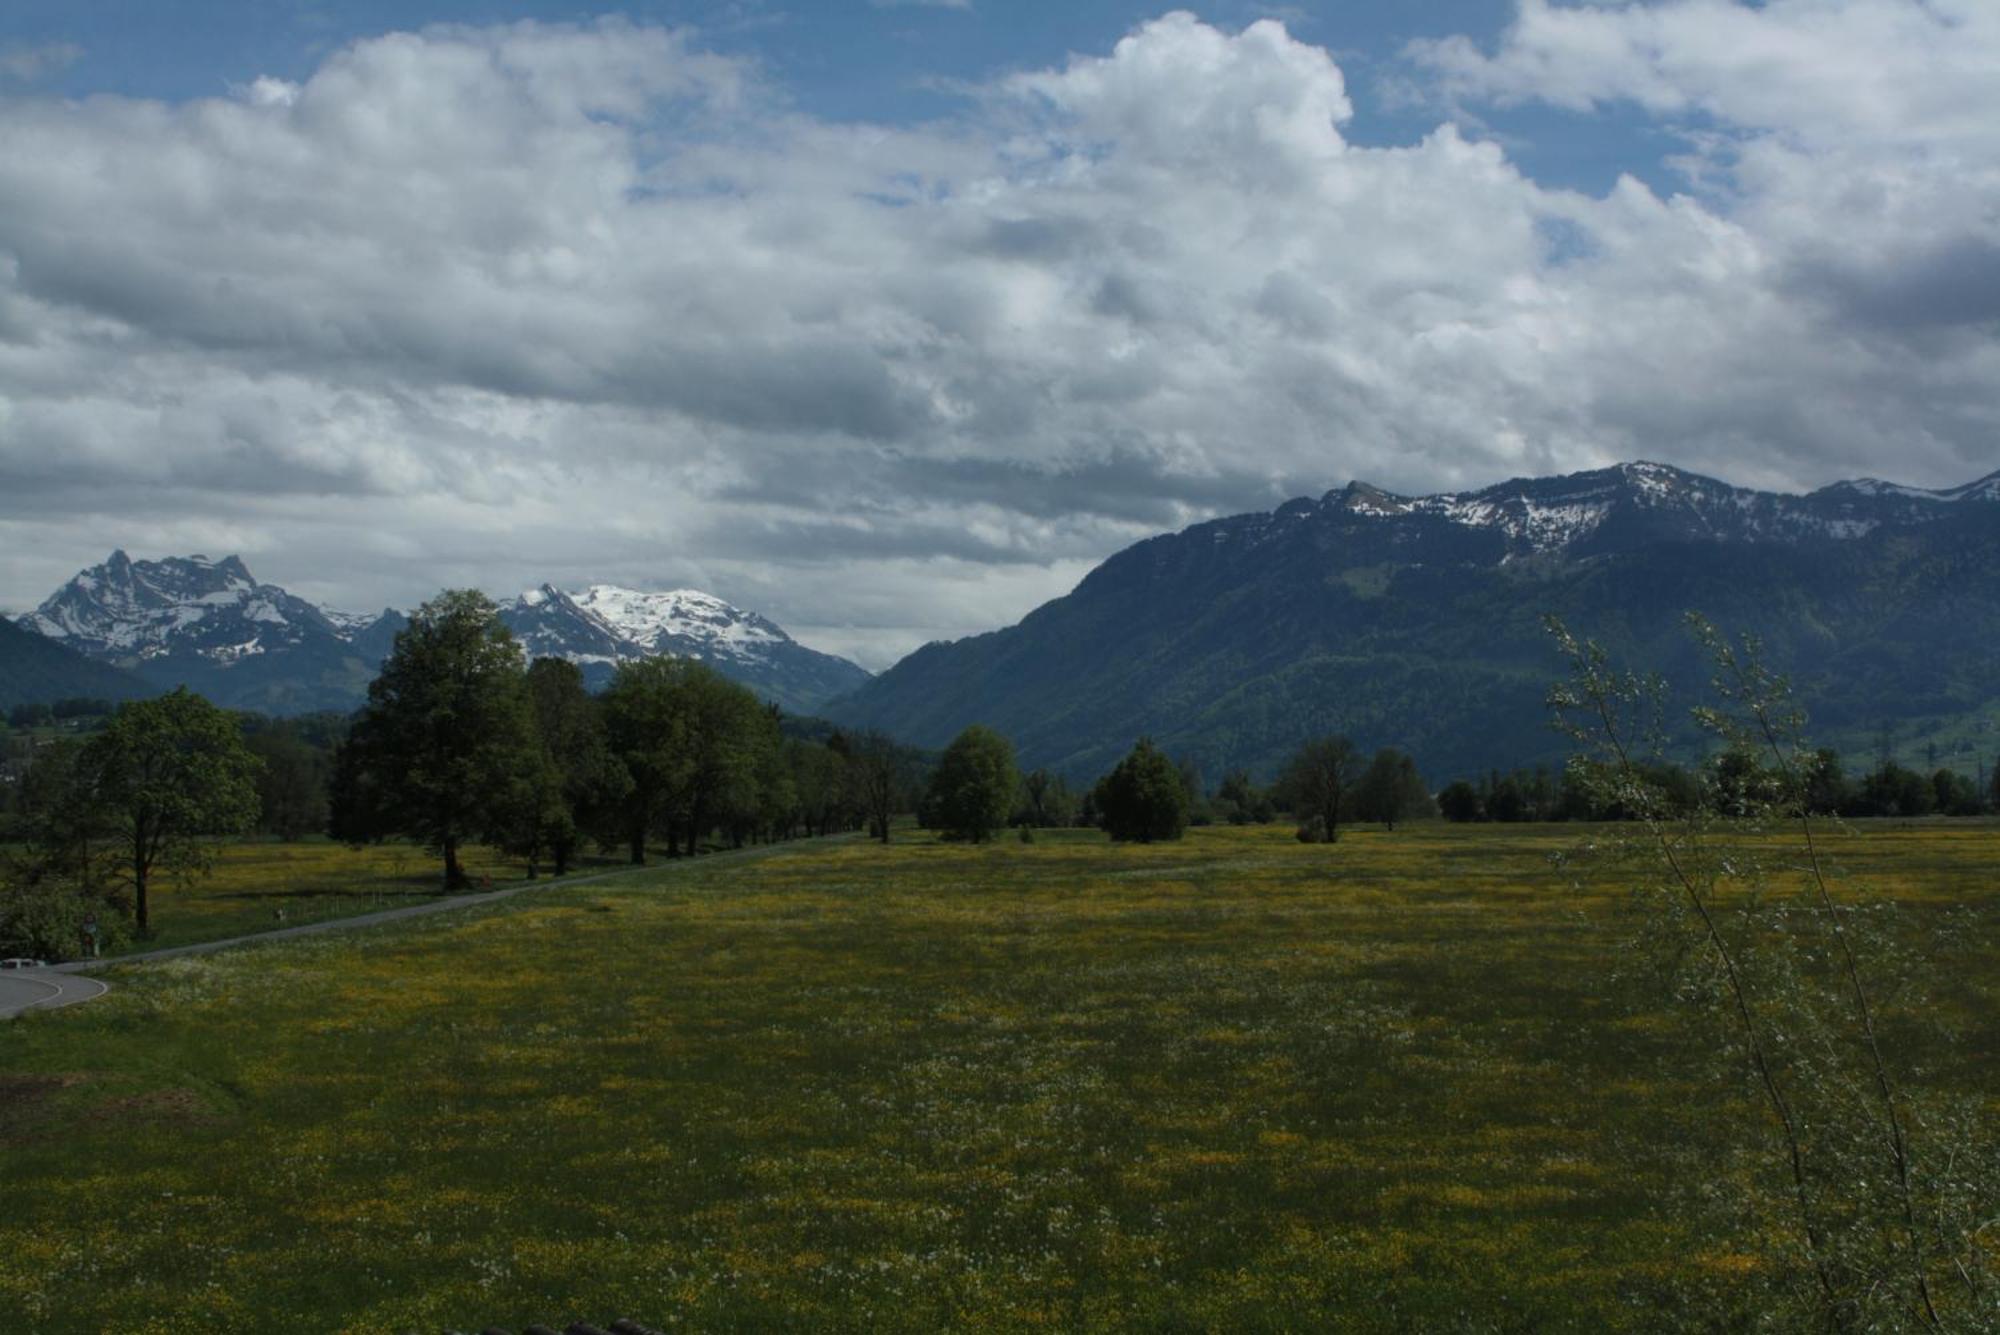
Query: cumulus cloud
494,305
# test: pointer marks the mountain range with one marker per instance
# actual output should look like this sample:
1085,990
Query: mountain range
212,626
1413,621
1416,621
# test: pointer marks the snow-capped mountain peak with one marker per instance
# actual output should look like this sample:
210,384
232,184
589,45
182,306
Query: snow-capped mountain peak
1985,489
133,611
655,619
604,625
1642,502
189,619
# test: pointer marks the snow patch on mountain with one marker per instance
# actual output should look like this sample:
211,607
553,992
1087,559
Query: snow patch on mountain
130,610
1555,515
349,624
655,620
604,625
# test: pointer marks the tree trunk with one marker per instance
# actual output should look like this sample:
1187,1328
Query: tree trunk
638,841
454,875
139,894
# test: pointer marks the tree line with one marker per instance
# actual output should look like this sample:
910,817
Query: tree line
975,791
1726,782
461,741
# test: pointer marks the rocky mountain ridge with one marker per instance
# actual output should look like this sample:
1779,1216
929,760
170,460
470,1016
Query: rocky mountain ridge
213,626
1416,621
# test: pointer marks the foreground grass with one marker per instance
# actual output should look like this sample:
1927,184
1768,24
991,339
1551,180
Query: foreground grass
1237,1083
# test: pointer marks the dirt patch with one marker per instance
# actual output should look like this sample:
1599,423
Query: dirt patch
25,1100
181,1106
33,1109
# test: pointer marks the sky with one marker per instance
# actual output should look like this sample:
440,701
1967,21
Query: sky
890,320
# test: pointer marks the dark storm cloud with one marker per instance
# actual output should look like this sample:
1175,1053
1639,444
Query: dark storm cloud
1946,283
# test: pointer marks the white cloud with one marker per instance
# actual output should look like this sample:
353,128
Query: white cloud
265,91
572,302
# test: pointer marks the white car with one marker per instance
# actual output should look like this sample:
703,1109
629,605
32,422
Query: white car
18,963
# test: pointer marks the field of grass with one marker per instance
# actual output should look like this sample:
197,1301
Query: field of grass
1409,1082
259,885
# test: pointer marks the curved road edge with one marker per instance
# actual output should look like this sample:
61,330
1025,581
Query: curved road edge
26,990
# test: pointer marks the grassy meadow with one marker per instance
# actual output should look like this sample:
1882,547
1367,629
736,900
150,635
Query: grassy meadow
257,885
1413,1081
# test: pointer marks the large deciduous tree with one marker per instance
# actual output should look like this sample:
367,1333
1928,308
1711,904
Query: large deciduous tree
440,750
172,777
1319,781
645,726
576,777
728,734
694,745
973,786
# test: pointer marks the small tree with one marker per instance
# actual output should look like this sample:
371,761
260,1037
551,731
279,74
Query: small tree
1889,1194
174,779
1319,783
1459,801
291,784
65,828
973,786
1046,801
1391,790
1145,798
875,768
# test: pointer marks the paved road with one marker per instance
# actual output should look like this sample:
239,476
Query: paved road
60,985
43,989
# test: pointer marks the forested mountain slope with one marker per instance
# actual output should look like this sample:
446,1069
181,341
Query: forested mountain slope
1418,621
35,670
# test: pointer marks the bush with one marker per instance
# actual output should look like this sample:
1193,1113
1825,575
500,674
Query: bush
46,922
1312,832
1144,799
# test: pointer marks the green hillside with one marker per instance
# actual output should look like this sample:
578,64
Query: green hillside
37,670
1232,640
